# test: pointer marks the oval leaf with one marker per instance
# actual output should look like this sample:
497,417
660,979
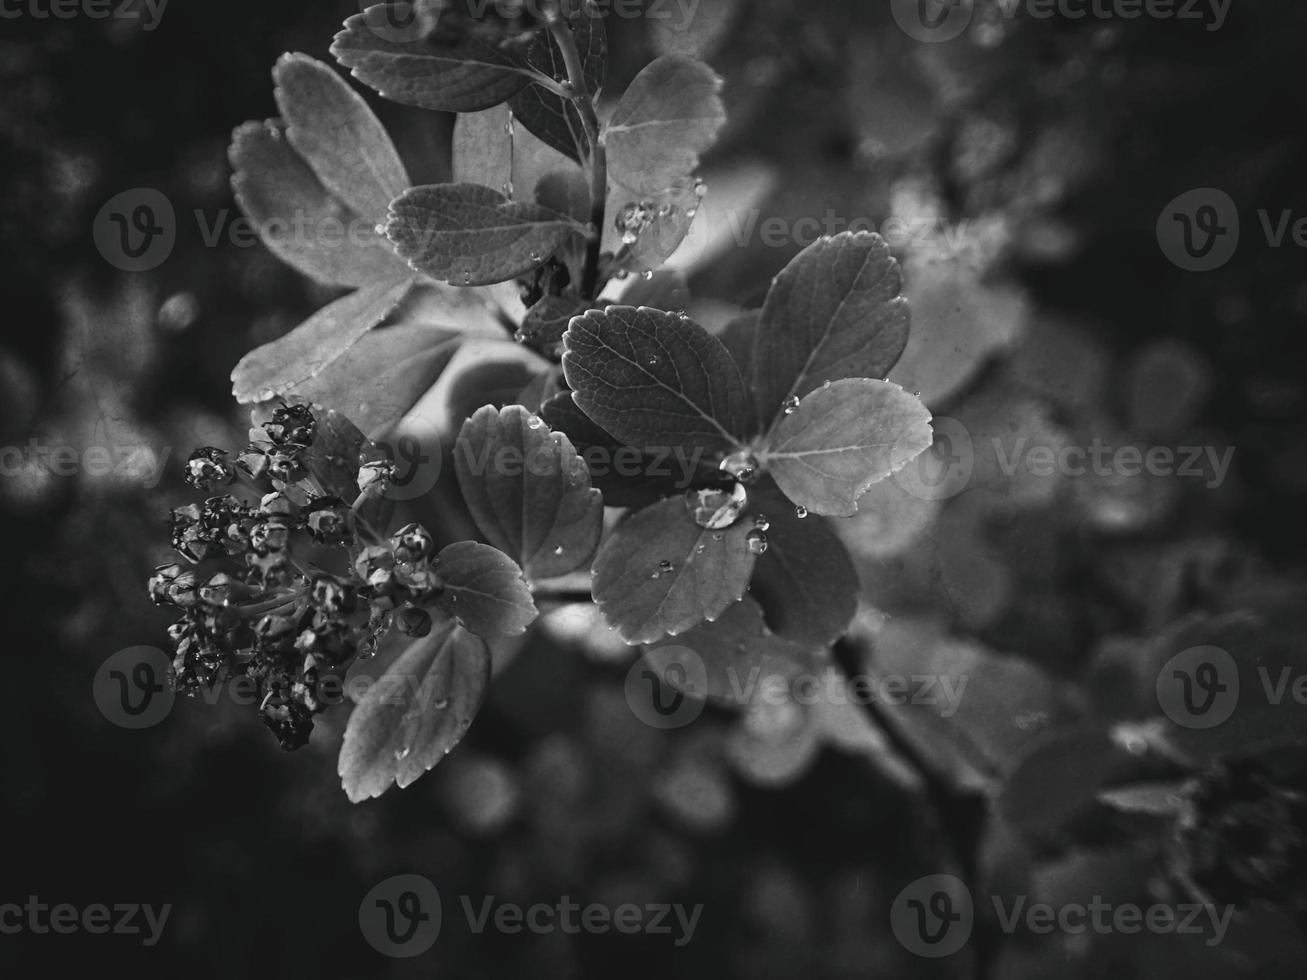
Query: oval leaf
669,116
528,491
340,138
654,379
415,713
484,590
843,438
661,574
553,119
299,220
835,312
301,355
471,235
424,54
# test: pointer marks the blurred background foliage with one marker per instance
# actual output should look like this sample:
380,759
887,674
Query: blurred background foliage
1055,144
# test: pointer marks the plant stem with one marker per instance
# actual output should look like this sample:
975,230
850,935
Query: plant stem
583,99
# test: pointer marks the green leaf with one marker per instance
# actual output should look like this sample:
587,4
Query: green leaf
669,116
660,574
833,313
528,491
805,580
379,380
424,54
484,590
654,379
415,713
333,129
471,235
841,439
737,653
553,119
299,220
311,348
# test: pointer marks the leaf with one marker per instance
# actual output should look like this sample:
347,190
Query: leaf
843,438
528,491
379,380
1057,779
833,313
662,291
545,323
669,116
308,350
651,579
627,476
471,235
298,219
553,119
673,211
415,713
491,149
654,379
735,656
333,129
420,54
484,590
695,30
805,580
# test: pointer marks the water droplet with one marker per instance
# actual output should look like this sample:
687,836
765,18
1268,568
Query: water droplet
800,512
757,542
508,126
761,523
402,754
665,566
534,422
716,508
467,278
558,550
700,188
630,238
790,405
536,257
742,466
826,385
700,549
656,575
646,275
653,359
508,188
380,230
441,704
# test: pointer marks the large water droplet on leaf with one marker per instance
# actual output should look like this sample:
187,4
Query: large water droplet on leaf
742,466
757,542
716,508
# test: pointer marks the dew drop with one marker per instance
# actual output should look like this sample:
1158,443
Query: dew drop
716,508
790,405
700,189
761,523
558,550
757,542
647,275
441,704
800,512
534,422
665,566
380,230
402,754
742,466
653,359
467,278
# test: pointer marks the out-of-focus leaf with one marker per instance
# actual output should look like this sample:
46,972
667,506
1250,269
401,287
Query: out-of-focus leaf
841,439
424,54
528,491
316,344
333,129
491,149
545,323
298,219
415,713
669,116
662,291
834,312
471,235
654,379
484,590
694,32
660,574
